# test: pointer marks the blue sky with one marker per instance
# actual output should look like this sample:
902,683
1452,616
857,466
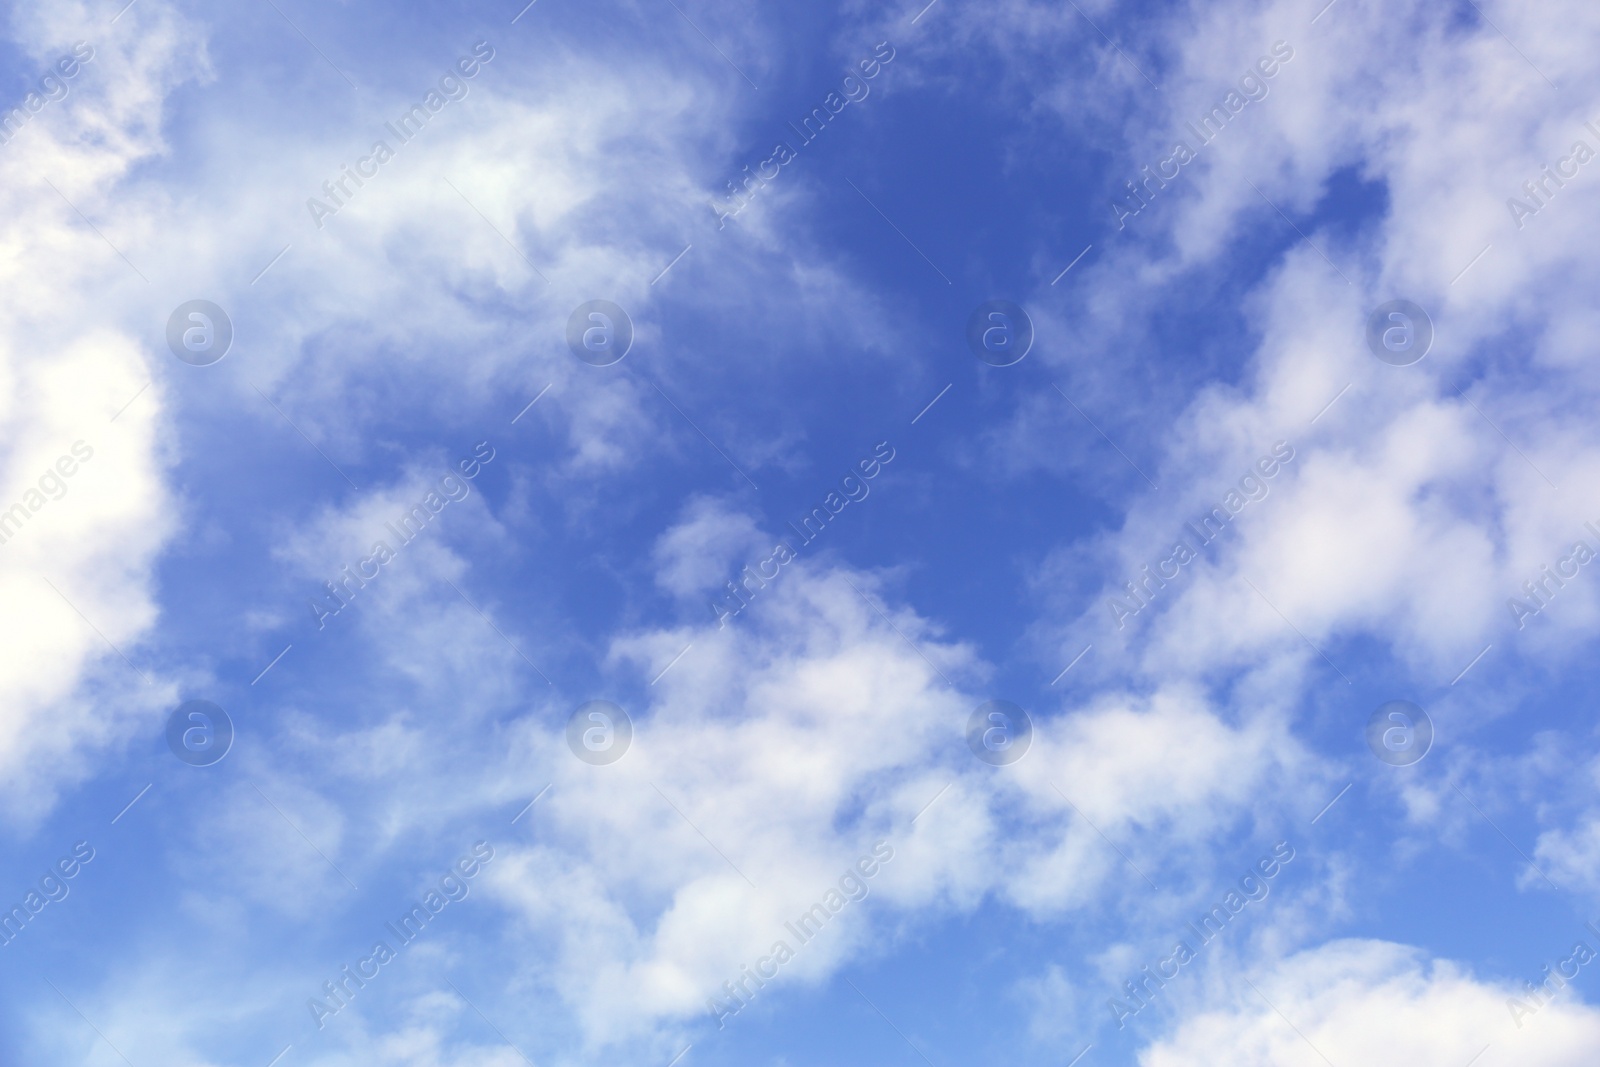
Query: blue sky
1383,527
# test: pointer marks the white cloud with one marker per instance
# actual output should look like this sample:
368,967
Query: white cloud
396,283
692,557
1408,514
810,726
68,372
792,739
1378,1003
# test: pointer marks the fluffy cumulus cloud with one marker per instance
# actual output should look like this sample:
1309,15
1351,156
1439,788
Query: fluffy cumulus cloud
786,743
1424,497
88,507
1374,1002
740,804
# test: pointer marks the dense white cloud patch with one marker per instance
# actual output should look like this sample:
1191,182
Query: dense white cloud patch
82,479
1374,1002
